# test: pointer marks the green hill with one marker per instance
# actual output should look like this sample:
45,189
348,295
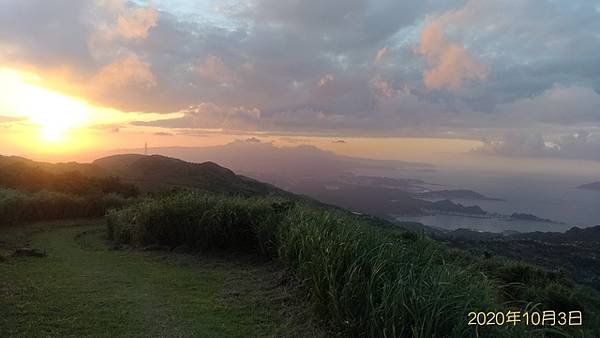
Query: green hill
149,173
155,173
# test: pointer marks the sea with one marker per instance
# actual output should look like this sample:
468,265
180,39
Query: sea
549,196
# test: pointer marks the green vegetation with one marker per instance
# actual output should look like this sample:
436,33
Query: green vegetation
20,207
369,283
33,178
156,173
524,285
31,191
83,288
363,280
198,221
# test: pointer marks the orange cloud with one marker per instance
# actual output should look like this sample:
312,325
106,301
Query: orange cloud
129,22
127,71
135,23
380,54
450,63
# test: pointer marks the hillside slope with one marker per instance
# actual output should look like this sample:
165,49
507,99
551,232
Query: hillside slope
575,251
16,162
153,173
149,173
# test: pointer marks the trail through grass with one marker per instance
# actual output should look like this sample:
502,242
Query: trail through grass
83,288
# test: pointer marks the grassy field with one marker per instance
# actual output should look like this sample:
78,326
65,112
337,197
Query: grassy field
84,288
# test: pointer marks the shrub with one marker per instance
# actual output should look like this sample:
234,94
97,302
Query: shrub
200,221
18,207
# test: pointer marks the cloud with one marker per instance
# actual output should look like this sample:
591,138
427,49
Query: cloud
516,144
213,69
450,64
572,105
107,128
124,72
117,19
582,144
325,80
115,27
468,68
211,116
295,140
135,23
382,88
380,54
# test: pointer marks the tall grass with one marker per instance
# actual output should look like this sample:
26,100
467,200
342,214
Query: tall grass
19,207
370,284
199,221
363,279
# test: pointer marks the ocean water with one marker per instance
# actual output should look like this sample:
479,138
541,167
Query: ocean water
553,197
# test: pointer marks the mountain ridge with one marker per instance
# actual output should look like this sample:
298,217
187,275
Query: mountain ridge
151,173
155,172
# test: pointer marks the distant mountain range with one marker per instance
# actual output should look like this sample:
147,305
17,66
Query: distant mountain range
252,157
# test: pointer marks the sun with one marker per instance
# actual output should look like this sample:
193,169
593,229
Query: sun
51,113
54,113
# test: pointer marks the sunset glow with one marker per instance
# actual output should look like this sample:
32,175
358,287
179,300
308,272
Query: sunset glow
433,86
51,113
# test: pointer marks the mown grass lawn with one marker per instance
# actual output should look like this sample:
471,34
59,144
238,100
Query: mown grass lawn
83,288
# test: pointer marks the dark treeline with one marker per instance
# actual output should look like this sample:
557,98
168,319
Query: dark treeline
30,193
18,207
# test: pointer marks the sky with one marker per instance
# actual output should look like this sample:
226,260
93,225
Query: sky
413,80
